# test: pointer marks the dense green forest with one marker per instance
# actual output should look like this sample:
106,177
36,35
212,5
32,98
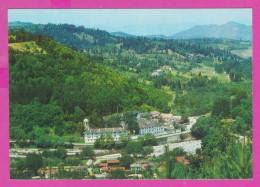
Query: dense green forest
64,87
201,69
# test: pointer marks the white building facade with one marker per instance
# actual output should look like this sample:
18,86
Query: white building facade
157,72
150,126
91,135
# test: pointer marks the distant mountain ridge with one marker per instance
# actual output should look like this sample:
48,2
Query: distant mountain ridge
19,23
122,34
230,30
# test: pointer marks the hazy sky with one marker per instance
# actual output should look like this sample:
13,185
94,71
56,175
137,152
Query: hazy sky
133,21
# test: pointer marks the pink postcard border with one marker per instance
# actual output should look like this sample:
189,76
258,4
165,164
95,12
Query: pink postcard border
117,4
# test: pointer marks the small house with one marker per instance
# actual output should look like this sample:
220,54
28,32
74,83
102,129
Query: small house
136,166
157,72
116,168
112,163
155,114
167,67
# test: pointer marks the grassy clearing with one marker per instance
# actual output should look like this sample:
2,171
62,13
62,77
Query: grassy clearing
210,72
27,46
245,53
83,36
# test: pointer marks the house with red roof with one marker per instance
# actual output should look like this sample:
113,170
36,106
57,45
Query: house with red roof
116,168
155,114
102,164
110,165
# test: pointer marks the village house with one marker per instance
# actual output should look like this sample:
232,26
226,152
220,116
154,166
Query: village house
136,166
103,169
113,163
155,114
116,168
150,126
110,165
91,135
167,67
170,118
109,169
157,72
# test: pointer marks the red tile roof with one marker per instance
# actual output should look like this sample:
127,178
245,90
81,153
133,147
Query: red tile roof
169,117
104,168
113,162
102,164
144,166
181,159
115,168
154,112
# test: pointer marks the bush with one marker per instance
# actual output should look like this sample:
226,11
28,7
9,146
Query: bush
60,153
149,139
202,127
73,162
126,160
96,171
148,150
134,148
118,174
87,152
47,154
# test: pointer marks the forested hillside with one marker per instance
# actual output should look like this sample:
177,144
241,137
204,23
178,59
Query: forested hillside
196,71
69,35
64,87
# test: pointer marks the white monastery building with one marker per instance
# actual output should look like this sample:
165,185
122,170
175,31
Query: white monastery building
91,135
150,126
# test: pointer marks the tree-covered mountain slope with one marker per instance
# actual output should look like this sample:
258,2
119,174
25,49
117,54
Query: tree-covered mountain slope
69,35
58,87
